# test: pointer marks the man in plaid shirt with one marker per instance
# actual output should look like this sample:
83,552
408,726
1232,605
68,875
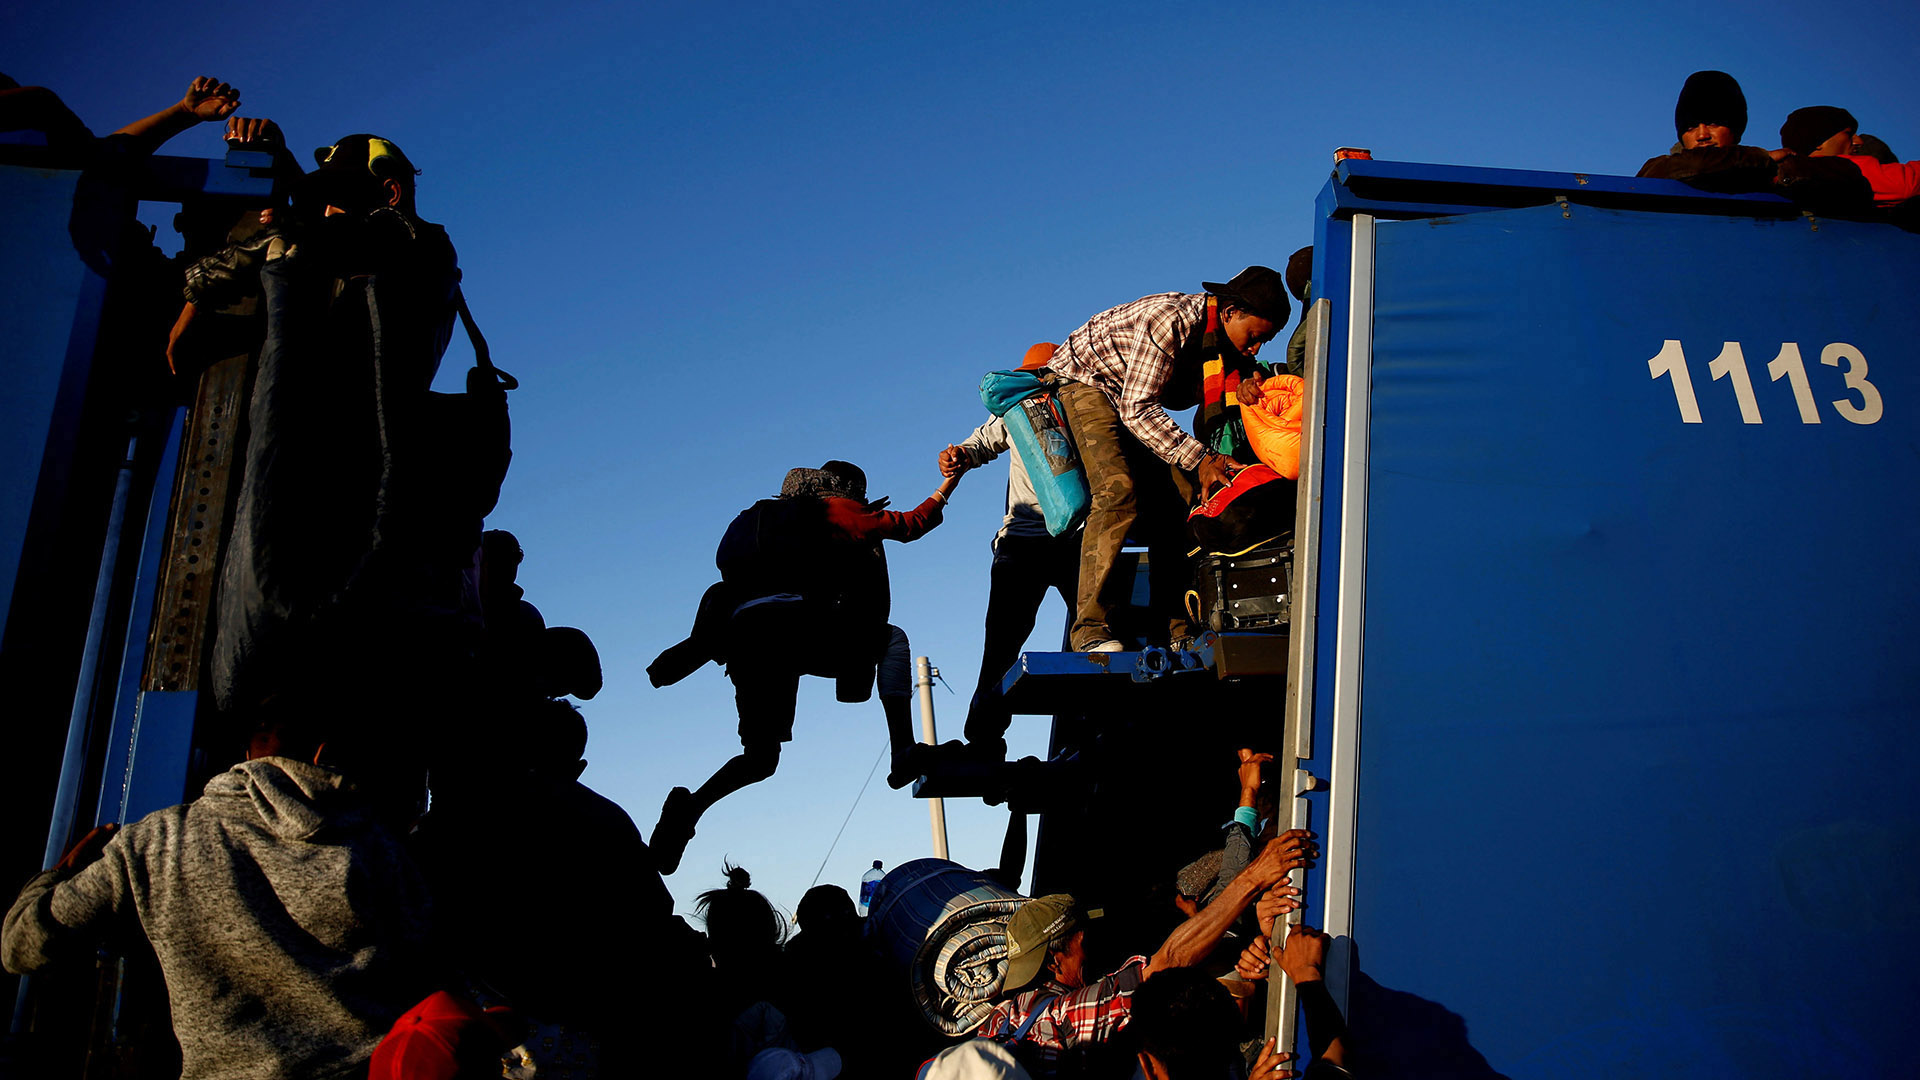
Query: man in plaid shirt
1045,936
1118,375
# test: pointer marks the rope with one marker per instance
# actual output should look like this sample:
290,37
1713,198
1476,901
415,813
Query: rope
884,747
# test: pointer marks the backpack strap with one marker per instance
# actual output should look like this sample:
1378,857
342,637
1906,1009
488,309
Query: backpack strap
482,356
1026,1025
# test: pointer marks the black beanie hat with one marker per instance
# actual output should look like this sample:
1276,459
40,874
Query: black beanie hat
1711,97
1300,273
1807,128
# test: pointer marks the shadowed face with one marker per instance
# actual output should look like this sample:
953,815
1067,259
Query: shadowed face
1068,961
1707,135
1247,332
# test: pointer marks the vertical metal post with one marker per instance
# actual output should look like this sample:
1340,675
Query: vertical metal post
66,804
923,675
1340,843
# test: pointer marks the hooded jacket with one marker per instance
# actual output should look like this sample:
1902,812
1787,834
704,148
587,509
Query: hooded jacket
290,925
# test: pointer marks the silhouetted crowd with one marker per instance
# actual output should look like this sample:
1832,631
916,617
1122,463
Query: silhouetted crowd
403,875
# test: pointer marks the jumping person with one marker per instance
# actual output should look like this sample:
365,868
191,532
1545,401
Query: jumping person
803,591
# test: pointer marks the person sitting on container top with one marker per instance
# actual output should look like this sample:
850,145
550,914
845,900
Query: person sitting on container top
1046,941
1709,118
1826,131
290,924
1027,561
1874,147
1118,375
803,591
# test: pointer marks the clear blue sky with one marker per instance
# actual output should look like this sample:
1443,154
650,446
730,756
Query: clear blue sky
718,242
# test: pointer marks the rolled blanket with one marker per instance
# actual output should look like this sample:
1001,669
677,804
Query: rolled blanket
945,928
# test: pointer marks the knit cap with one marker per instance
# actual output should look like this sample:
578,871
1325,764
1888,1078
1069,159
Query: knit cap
1807,128
1711,97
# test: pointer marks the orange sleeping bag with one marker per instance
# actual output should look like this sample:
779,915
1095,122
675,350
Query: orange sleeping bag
1273,426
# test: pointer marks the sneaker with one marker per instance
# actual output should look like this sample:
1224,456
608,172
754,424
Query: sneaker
675,830
1108,645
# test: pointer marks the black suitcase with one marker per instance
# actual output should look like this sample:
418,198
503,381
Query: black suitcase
1251,590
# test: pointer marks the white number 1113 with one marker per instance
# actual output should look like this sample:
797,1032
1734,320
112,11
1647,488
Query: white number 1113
1731,365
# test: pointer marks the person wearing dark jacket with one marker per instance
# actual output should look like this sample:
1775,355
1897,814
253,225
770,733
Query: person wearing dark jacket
803,591
1709,118
342,557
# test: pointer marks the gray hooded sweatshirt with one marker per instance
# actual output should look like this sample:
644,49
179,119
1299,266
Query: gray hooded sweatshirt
291,927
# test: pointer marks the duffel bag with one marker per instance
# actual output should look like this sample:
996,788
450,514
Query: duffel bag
1256,505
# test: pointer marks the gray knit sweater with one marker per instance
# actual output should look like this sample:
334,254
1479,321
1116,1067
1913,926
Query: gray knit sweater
291,927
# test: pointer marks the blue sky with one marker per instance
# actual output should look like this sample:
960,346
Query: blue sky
715,243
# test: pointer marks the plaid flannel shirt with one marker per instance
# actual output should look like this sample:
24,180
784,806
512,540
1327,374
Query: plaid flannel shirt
1074,1019
1128,353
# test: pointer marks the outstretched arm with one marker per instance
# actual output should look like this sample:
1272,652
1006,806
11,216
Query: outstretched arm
1192,940
207,98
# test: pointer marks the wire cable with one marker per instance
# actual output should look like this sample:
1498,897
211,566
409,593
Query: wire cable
884,747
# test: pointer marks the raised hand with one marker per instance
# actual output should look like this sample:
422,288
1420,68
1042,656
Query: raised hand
1254,960
1272,1062
254,129
1282,855
1274,903
1304,956
210,99
1250,764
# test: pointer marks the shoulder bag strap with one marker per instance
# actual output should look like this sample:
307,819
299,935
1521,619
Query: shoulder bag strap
482,356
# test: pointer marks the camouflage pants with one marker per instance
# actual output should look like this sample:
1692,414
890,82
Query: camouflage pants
1133,493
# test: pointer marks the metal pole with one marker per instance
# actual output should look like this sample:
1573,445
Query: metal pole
74,764
923,675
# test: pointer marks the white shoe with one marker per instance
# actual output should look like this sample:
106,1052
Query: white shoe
1108,645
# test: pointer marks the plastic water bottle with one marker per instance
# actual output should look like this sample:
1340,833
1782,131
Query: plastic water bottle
869,884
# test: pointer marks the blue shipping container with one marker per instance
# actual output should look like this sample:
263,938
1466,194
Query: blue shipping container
1604,634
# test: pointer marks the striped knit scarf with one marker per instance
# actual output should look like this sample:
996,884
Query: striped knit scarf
1218,421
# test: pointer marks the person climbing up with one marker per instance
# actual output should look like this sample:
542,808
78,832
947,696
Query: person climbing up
805,570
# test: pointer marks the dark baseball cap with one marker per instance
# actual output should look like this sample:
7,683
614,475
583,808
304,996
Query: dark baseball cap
1257,290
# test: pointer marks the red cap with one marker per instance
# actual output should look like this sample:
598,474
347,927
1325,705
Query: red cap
437,1039
1037,357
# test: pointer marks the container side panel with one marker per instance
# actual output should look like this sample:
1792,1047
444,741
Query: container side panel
44,277
1639,695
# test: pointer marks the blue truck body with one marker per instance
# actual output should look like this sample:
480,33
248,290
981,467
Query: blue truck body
1605,674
